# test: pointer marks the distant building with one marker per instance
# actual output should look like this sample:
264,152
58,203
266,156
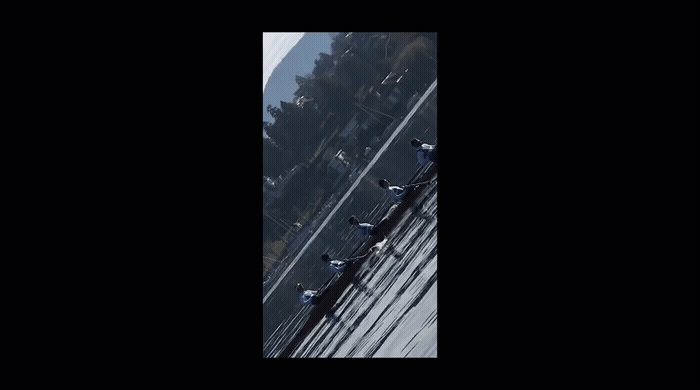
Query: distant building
283,181
339,163
274,189
322,155
370,122
269,189
349,128
390,91
341,166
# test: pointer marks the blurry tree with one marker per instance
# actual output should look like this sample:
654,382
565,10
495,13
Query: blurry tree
275,160
273,111
323,64
339,45
304,86
355,71
417,59
296,129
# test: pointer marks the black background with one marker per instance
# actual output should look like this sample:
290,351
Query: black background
566,245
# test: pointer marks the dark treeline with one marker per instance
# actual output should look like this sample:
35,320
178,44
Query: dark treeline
327,97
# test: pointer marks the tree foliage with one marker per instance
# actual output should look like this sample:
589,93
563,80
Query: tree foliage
417,58
296,132
355,71
274,111
409,54
323,64
339,45
295,128
334,93
275,160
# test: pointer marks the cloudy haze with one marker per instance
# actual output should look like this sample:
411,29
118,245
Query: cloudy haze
275,47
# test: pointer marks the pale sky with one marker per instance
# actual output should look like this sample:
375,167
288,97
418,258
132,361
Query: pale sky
275,47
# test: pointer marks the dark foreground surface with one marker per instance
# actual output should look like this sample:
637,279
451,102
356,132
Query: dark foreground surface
333,292
390,310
